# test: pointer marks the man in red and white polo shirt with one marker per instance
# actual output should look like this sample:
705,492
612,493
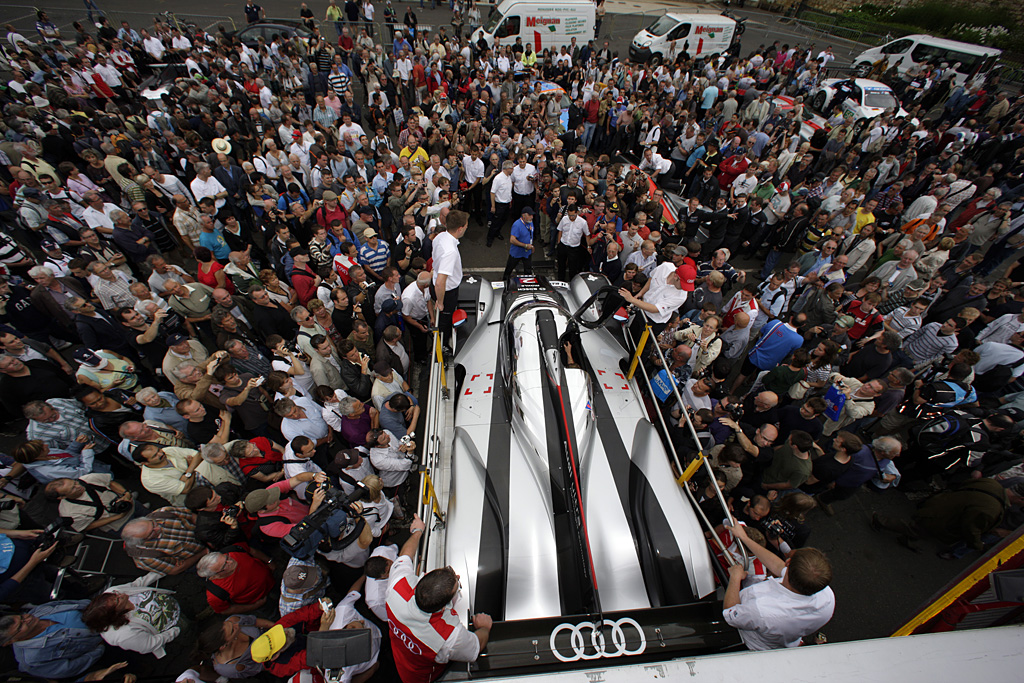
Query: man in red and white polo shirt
426,631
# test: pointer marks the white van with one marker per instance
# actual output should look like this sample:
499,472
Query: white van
673,34
919,49
540,24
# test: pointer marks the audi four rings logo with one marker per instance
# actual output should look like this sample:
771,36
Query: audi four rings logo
578,640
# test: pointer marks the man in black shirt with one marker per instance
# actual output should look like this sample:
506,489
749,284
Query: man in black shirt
874,360
268,316
216,527
33,380
805,417
204,426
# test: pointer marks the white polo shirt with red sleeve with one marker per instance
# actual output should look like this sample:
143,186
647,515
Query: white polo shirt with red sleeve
423,643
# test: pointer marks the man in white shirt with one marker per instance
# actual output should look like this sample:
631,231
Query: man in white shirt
792,603
301,416
448,270
654,164
153,45
501,202
993,353
523,177
662,296
1002,328
168,184
97,214
205,185
571,245
473,169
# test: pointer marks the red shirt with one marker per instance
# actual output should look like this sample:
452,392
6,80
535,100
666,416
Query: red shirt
862,321
249,583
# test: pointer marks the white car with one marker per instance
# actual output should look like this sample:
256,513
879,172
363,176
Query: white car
865,98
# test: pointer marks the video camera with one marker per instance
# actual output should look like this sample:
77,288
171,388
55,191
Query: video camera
334,525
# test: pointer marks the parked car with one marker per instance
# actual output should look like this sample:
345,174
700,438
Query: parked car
267,29
865,99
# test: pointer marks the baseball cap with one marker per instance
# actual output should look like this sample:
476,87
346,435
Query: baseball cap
846,321
176,338
369,232
687,274
783,187
261,498
296,134
268,645
49,245
299,578
86,357
32,192
330,195
527,210
389,306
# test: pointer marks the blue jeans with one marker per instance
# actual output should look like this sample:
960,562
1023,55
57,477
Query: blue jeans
769,263
588,133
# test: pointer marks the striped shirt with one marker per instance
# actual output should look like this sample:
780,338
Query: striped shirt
902,324
926,345
61,433
113,294
377,258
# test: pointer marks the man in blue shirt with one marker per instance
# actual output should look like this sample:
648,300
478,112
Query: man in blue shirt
520,249
778,339
52,641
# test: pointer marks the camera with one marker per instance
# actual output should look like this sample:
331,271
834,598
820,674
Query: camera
48,536
319,529
735,411
407,439
119,506
233,511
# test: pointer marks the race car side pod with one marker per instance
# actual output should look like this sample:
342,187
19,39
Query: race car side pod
583,558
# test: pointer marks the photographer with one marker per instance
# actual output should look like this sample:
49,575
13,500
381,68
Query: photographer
275,512
394,458
93,502
217,524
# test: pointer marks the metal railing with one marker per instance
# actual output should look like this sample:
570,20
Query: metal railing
436,448
23,18
685,473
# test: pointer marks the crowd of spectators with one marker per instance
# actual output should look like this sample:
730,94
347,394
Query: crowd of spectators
217,301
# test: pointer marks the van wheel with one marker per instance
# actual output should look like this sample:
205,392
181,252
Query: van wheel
863,69
740,28
819,102
656,59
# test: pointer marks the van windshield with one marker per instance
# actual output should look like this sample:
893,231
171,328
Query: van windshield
492,21
662,26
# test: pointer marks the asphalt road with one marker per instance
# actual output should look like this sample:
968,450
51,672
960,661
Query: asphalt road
878,583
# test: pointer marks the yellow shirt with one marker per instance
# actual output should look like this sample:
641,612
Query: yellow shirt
418,158
333,13
863,218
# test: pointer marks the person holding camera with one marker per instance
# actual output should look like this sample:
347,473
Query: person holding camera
394,458
93,502
275,512
217,524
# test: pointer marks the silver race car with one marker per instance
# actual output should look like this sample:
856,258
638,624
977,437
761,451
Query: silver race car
564,519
